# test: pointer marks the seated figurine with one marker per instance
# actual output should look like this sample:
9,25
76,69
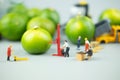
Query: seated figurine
89,54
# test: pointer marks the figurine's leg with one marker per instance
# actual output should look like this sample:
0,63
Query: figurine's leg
78,46
65,54
8,58
67,51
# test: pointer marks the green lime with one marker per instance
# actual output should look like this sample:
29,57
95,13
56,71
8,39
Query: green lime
43,23
33,12
51,14
19,8
13,26
79,26
36,41
111,14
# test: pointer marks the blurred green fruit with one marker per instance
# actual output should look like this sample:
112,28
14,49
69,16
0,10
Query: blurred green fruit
43,23
111,14
13,26
79,26
34,12
51,14
0,30
19,8
36,41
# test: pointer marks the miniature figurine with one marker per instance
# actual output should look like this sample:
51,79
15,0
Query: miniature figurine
78,42
66,48
89,54
87,45
84,55
9,50
88,49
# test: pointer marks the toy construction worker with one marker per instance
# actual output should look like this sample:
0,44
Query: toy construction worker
89,53
66,48
88,49
9,50
87,45
78,42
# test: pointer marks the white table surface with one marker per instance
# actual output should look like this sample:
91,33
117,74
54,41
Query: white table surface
104,65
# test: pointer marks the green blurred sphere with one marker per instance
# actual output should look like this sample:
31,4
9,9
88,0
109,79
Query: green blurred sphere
36,41
111,14
80,26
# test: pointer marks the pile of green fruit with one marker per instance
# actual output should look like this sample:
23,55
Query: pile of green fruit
112,14
84,26
34,27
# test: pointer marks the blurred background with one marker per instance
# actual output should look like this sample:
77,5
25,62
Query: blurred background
63,6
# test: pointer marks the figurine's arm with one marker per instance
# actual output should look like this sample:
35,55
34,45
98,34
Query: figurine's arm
63,46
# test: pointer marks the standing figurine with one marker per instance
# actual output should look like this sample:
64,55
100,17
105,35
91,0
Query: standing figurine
87,45
66,48
9,50
88,49
78,42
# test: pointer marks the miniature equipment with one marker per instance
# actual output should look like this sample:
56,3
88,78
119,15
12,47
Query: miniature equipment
80,56
59,53
105,33
113,36
102,27
87,45
84,55
19,58
82,7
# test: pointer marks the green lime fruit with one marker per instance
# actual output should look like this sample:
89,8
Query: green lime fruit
36,41
13,26
34,12
0,30
111,14
43,23
51,14
79,26
18,8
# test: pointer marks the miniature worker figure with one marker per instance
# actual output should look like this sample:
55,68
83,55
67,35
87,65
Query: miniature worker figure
66,48
89,54
78,42
88,49
87,45
9,50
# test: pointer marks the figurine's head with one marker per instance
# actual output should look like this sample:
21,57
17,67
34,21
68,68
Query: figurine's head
65,40
79,37
10,45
